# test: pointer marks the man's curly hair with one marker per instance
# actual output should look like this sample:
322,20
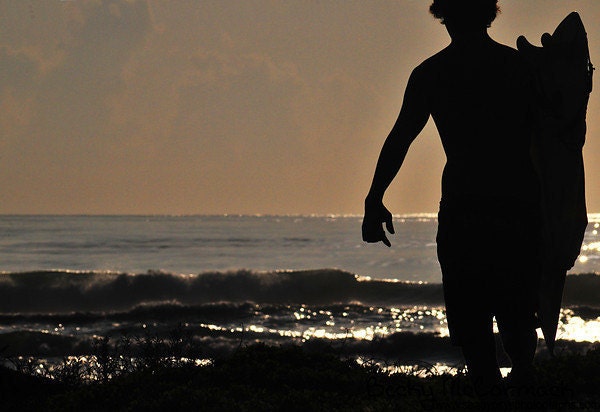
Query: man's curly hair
465,12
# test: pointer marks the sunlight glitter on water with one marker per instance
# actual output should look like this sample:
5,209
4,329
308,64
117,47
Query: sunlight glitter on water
360,323
571,327
593,246
348,323
578,329
590,249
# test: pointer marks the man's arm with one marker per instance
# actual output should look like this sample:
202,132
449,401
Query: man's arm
411,120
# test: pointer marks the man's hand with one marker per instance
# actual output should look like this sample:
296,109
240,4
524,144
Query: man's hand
376,215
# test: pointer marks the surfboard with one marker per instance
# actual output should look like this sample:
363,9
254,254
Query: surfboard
563,82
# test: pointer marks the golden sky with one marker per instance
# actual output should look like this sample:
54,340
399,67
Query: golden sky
228,106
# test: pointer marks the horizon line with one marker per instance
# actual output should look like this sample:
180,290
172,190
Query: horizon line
592,217
323,215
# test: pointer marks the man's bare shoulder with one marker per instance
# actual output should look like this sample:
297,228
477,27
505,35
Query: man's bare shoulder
433,63
507,51
455,57
423,73
510,59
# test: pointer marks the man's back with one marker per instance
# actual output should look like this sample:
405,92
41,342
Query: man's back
479,95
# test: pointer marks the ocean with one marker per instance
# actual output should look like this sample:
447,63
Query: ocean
232,280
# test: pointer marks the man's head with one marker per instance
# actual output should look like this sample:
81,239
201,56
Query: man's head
465,13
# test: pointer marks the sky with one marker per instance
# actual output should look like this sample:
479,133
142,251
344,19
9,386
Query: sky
228,106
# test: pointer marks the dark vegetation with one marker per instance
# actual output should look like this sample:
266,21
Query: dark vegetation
154,374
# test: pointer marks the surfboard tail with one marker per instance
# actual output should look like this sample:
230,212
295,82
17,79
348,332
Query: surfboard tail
551,291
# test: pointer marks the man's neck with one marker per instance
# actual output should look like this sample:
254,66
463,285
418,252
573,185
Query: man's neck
469,37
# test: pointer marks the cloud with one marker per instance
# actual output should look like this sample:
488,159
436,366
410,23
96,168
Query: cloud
57,82
197,101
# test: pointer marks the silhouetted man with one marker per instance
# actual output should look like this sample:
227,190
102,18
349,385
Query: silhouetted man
479,94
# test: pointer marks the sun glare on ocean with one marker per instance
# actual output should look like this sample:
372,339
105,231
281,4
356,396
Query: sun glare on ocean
578,329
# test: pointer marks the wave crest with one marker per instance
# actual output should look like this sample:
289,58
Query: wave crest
65,291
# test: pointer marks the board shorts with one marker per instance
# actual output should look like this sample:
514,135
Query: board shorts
489,249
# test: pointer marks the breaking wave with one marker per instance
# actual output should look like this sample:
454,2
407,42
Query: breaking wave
67,291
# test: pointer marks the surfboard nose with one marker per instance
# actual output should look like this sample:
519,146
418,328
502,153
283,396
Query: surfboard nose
571,22
569,29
